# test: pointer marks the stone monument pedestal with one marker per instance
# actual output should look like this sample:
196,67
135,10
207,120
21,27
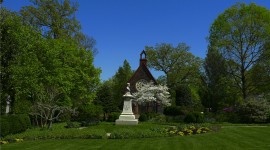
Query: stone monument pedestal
127,117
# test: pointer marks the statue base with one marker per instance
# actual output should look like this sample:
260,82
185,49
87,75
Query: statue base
126,122
127,117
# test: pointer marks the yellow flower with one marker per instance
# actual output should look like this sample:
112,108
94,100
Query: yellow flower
181,133
172,132
191,127
4,142
18,140
207,129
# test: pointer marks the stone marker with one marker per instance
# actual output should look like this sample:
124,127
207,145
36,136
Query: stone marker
127,117
8,104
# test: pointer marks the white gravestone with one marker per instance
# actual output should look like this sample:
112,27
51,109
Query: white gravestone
127,117
8,104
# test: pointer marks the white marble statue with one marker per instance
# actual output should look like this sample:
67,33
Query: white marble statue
8,100
127,117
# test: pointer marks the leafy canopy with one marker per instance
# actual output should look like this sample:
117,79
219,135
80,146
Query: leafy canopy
177,63
240,35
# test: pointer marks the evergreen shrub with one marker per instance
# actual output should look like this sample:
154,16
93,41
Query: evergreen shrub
113,116
89,111
143,117
194,117
172,111
90,122
11,124
5,127
148,116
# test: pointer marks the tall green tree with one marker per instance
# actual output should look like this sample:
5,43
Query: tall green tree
120,80
260,74
105,99
216,91
178,65
56,19
15,39
55,66
240,34
71,68
35,69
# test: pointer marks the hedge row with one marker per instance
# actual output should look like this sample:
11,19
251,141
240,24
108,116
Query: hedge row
11,124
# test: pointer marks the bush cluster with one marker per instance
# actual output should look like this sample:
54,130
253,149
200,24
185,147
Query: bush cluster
194,117
89,122
11,124
136,133
254,110
113,116
73,124
173,111
175,119
148,116
89,113
59,132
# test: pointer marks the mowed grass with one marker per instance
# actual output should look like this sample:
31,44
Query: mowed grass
228,138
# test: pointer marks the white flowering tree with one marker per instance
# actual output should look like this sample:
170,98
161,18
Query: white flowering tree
150,92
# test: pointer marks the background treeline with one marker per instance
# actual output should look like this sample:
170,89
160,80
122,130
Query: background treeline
232,82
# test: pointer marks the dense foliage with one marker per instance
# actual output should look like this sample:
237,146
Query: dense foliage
89,112
183,96
254,110
13,124
177,63
105,99
119,83
194,117
56,19
110,92
173,111
43,75
236,67
240,35
179,66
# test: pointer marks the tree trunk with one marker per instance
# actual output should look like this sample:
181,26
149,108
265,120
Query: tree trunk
36,119
50,124
244,84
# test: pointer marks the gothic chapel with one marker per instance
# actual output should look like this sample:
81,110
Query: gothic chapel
141,76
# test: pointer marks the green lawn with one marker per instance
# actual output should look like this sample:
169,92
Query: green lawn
229,137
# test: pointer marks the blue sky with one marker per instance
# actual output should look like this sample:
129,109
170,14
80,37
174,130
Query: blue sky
122,28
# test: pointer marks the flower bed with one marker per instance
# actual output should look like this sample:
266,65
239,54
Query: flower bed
10,141
185,130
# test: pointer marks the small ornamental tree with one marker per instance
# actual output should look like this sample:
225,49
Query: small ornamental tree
150,92
254,109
